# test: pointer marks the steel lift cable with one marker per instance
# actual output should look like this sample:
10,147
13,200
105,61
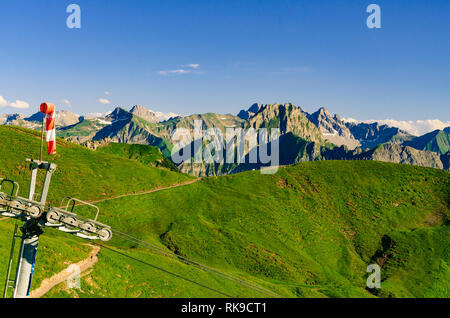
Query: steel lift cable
219,274
199,265
194,263
163,270
157,249
204,267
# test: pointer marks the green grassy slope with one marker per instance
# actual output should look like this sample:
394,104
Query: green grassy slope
145,154
81,173
310,230
83,128
436,141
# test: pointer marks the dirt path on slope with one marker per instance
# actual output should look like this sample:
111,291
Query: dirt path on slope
62,276
135,193
146,192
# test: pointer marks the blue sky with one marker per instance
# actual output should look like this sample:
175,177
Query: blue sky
312,53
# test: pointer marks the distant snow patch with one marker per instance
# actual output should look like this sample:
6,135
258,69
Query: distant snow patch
417,128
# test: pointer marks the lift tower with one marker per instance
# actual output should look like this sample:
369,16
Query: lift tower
36,216
31,231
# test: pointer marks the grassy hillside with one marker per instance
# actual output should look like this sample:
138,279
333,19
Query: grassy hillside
436,141
148,155
84,128
310,230
82,173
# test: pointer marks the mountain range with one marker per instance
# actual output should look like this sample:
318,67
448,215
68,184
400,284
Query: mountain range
303,136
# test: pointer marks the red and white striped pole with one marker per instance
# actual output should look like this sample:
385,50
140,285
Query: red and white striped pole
49,111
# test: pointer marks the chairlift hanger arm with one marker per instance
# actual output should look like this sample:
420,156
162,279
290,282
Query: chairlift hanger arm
74,200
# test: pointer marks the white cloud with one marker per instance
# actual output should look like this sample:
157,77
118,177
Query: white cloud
107,93
103,101
164,116
97,115
182,70
17,104
67,103
351,120
417,128
193,65
20,104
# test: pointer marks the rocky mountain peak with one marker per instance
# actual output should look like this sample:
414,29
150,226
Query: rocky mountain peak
144,113
118,114
288,118
66,118
254,108
333,128
62,118
8,119
250,112
322,112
